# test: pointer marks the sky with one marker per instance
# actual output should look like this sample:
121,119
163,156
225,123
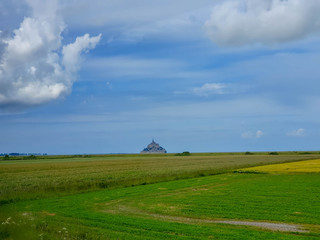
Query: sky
108,76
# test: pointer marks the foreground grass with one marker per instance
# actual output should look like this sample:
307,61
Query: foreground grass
133,213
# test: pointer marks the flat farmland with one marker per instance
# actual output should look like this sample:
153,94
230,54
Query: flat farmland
21,179
202,196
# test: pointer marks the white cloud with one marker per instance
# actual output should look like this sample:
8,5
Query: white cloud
71,53
252,135
242,22
259,134
297,133
209,89
34,66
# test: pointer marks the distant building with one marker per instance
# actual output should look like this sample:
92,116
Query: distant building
153,147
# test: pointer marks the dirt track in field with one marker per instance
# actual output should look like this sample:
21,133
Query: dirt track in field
282,227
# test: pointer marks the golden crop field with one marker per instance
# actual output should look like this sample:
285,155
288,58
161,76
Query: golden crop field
308,166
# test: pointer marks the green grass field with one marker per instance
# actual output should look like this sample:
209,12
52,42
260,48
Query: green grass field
111,197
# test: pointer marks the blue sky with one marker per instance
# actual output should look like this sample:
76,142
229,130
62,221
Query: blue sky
200,76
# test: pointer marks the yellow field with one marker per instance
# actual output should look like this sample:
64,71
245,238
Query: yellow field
308,166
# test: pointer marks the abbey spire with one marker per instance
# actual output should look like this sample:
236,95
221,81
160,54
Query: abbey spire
153,147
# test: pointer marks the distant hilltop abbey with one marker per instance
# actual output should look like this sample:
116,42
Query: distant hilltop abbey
153,147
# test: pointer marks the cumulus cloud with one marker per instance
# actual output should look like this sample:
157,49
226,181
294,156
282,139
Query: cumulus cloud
243,22
34,66
209,89
252,135
297,133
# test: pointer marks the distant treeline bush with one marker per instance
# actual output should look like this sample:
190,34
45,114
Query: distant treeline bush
7,157
248,153
183,154
273,153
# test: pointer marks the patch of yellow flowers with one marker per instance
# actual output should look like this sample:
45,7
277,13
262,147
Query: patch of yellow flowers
308,166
